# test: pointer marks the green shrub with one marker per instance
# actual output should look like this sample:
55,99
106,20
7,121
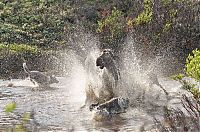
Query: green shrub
34,22
188,118
192,67
10,107
192,89
178,77
112,26
169,22
146,16
18,48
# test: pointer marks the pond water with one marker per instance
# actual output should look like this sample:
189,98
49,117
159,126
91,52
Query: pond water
58,107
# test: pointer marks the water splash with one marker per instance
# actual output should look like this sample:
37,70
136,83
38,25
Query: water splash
71,63
61,106
134,67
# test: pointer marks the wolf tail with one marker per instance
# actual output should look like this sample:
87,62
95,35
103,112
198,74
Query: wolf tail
26,68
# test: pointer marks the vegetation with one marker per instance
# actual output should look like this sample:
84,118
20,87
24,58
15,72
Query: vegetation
188,120
49,24
10,107
146,16
192,69
18,49
32,22
193,65
24,119
112,26
190,87
34,30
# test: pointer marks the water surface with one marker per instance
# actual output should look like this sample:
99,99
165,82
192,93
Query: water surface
58,107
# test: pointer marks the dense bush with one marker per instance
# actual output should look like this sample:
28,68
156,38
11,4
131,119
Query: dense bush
192,69
156,25
48,23
19,48
193,65
111,27
41,23
146,16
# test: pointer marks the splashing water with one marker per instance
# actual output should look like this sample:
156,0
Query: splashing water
59,108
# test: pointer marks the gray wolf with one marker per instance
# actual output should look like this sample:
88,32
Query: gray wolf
39,78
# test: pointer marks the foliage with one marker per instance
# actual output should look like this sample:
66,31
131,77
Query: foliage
146,16
192,66
192,69
192,89
178,77
169,22
10,107
13,55
112,25
34,22
41,22
165,25
49,24
187,119
19,48
21,127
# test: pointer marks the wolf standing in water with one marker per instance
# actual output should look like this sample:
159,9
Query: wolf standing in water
39,78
